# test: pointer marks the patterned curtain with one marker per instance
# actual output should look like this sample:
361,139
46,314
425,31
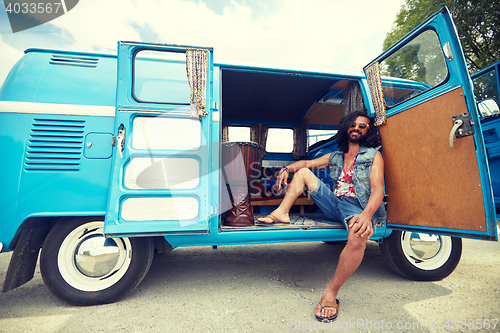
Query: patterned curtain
301,140
258,134
225,133
196,68
375,84
353,99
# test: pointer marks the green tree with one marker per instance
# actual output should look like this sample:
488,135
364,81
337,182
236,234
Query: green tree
477,22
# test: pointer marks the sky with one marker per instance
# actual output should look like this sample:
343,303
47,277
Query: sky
333,36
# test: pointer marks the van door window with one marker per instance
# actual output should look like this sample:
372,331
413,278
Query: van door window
160,77
414,68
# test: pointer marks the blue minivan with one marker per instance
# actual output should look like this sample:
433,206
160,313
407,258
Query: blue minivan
109,159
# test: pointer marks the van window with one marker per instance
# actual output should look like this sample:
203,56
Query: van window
238,133
485,88
416,67
160,77
319,135
279,140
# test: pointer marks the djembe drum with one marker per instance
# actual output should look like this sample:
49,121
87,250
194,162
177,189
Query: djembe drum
241,162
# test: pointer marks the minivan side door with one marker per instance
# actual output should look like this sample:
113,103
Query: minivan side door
436,170
162,168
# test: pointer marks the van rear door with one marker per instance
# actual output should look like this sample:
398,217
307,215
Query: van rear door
436,170
162,161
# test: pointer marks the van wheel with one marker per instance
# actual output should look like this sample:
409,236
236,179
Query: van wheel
82,267
421,256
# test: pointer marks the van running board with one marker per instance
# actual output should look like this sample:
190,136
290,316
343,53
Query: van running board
297,221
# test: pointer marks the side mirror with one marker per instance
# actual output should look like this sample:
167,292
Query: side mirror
488,107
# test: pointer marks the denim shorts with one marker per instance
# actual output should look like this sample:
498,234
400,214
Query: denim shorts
339,209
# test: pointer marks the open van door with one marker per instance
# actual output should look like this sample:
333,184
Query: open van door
436,170
162,162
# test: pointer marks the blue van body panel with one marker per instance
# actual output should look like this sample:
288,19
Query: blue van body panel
50,76
12,141
491,132
52,178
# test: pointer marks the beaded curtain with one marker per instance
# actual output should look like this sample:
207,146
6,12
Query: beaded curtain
196,69
375,84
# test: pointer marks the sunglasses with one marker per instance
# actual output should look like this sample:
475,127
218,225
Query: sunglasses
360,125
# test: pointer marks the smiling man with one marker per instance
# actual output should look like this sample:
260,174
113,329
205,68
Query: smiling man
357,171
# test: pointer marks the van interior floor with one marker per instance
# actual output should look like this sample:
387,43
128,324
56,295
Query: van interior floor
302,221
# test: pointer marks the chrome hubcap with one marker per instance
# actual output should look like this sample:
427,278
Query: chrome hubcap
426,251
90,262
425,246
96,256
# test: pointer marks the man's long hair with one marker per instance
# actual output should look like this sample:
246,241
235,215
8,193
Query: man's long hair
370,139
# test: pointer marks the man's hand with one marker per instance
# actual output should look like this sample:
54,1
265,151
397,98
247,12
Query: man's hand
282,177
361,225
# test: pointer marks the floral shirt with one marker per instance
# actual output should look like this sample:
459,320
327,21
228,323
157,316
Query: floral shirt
345,184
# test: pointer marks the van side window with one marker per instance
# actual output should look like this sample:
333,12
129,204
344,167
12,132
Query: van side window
279,140
160,77
486,91
239,133
320,135
416,67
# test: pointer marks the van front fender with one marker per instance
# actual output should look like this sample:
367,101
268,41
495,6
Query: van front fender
23,261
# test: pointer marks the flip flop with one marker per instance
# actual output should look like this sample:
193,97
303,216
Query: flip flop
329,304
275,220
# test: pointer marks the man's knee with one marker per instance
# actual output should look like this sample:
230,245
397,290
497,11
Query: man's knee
304,173
308,178
357,243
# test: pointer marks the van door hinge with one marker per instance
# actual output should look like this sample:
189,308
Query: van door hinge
463,125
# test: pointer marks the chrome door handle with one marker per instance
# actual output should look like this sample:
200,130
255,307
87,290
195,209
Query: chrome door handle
120,141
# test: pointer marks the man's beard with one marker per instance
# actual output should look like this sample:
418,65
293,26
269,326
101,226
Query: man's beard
359,139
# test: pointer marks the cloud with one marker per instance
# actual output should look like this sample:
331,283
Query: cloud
9,56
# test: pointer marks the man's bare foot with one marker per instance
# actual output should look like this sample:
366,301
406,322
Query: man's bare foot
275,217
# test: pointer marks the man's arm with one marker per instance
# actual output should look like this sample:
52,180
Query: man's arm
362,223
318,163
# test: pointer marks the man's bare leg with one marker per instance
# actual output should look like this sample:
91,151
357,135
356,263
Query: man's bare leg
349,261
302,177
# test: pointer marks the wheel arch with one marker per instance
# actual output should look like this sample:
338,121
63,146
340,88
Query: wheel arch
409,264
28,240
26,245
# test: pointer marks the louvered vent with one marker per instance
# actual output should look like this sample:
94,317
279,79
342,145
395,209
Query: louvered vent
73,61
55,145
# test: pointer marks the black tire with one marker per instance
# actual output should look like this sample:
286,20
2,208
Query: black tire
81,267
334,242
421,256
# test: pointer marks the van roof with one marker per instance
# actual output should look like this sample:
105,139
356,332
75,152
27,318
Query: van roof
249,94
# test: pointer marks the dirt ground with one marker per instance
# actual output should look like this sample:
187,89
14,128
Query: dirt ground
272,288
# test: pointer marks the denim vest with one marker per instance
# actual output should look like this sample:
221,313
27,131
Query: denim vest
361,179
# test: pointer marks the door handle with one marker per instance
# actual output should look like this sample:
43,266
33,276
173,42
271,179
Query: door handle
120,140
456,124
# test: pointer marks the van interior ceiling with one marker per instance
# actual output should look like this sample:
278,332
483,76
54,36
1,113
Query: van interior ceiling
281,99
